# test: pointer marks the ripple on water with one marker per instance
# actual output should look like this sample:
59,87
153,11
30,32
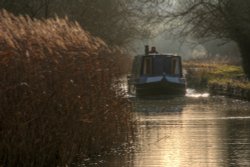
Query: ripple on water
195,94
197,130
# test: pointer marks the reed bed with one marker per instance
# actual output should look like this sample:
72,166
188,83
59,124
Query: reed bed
60,94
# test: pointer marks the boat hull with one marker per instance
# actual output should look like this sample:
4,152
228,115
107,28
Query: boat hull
160,88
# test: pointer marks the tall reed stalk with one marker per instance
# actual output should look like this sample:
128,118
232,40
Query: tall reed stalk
60,97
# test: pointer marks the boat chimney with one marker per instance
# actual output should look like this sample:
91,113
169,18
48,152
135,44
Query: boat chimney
146,49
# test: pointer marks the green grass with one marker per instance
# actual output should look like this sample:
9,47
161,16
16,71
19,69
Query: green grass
228,74
221,74
226,71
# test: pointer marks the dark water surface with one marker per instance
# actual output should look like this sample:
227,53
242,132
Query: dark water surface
193,131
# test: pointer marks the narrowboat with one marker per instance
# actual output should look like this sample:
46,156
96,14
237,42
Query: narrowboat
155,74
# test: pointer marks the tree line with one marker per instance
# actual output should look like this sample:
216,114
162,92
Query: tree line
119,22
228,20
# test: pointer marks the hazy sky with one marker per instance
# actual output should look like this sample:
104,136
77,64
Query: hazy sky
166,44
188,48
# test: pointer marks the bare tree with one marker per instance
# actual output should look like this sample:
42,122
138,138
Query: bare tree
219,19
33,8
118,22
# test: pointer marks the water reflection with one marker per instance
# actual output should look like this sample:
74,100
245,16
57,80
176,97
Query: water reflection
189,131
205,133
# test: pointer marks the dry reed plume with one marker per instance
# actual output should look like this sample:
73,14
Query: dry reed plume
60,93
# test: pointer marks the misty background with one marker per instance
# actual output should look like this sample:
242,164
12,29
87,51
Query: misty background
132,24
188,47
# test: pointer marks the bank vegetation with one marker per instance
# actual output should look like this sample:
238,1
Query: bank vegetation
61,98
223,77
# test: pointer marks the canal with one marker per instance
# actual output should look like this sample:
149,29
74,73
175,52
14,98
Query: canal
196,130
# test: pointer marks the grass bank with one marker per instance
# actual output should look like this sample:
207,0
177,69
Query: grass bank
61,98
218,78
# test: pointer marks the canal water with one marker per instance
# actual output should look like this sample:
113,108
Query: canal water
197,130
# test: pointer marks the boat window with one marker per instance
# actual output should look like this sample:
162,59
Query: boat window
175,67
147,66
